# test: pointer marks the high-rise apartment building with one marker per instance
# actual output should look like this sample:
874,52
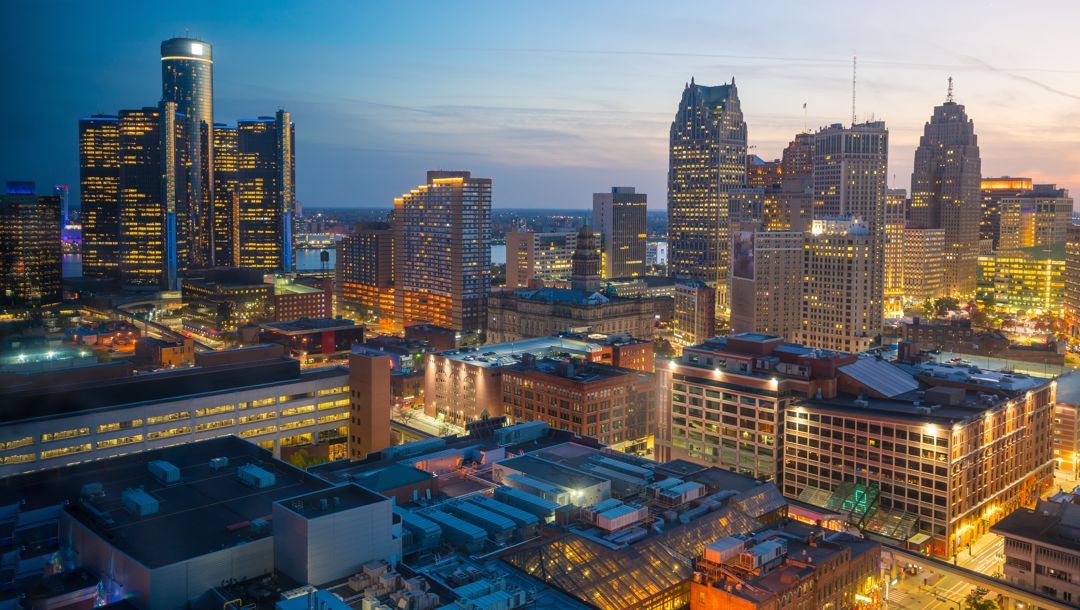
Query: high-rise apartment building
99,192
1039,217
695,312
850,170
29,247
993,191
226,216
707,162
922,263
187,80
538,256
895,212
945,191
364,274
155,229
442,252
767,280
619,218
267,187
841,296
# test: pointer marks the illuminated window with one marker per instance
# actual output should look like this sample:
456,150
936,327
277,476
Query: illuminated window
55,436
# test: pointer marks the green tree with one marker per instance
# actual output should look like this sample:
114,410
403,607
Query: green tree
944,305
302,459
976,600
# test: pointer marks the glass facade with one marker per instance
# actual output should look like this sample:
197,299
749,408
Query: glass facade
29,246
99,185
267,198
226,196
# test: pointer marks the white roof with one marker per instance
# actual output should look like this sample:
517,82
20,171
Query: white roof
880,376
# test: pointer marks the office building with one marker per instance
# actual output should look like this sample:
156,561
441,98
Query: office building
523,313
226,216
797,159
408,358
850,172
1066,432
895,214
296,298
788,206
936,454
30,253
313,339
707,162
767,280
728,397
267,192
613,405
1026,281
1042,549
369,406
993,191
793,566
187,80
1039,217
364,274
219,301
165,353
99,192
544,257
922,263
619,218
945,191
442,252
695,313
461,384
761,173
1071,276
266,399
841,296
656,255
156,221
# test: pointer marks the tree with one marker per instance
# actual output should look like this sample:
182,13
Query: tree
944,305
302,459
976,600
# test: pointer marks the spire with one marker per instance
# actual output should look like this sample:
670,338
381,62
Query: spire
691,80
949,96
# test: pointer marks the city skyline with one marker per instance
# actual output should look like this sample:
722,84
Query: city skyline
549,111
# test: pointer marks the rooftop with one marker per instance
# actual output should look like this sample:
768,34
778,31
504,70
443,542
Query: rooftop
505,354
551,472
563,295
206,510
1051,523
328,501
308,325
159,386
581,373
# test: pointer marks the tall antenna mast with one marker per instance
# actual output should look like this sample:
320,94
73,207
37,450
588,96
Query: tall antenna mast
804,118
948,96
854,59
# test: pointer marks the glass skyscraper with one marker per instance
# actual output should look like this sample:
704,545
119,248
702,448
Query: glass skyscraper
99,192
29,246
187,80
707,171
226,196
266,176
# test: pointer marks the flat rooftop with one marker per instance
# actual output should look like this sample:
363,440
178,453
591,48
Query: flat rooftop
1001,381
205,511
307,325
551,472
1050,523
329,501
159,386
505,354
581,373
904,407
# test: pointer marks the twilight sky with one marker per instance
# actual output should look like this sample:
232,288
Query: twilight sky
553,100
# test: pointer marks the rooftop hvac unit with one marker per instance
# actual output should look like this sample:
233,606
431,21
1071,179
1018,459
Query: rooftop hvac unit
218,463
139,503
253,476
164,471
92,490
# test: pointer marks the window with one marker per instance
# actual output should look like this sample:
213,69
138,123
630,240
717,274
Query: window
72,449
56,436
160,419
120,441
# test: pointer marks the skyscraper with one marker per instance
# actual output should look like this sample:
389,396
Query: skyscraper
619,218
945,191
155,220
798,157
226,216
707,162
539,256
99,192
895,212
442,252
364,273
585,272
993,191
266,182
187,80
850,169
767,280
29,247
1038,217
62,191
841,300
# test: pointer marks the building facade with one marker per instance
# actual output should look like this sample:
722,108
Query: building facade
30,253
538,256
945,190
187,80
99,192
895,220
922,263
841,296
442,252
993,191
369,402
1039,217
1042,549
1071,277
707,162
695,313
1026,281
267,192
364,274
767,285
619,218
226,217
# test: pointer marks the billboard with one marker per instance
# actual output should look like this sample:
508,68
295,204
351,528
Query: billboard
742,255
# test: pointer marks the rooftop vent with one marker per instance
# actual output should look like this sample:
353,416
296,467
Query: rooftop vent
139,503
253,476
164,471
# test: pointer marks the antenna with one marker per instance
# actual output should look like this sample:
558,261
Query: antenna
948,96
804,118
854,60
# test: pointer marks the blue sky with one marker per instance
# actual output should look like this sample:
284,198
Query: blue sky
553,100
